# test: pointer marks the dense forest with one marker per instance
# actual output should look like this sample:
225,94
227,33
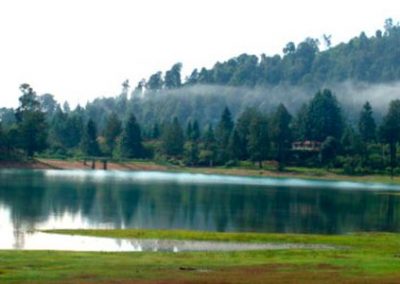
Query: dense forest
291,109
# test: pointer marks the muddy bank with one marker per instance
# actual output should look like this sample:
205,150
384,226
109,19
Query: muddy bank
79,165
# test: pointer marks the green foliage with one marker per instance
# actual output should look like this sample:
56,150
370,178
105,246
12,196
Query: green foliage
173,77
31,122
155,82
208,151
223,133
366,124
173,139
234,146
242,128
390,130
89,145
191,153
131,139
329,150
324,117
258,141
112,132
281,134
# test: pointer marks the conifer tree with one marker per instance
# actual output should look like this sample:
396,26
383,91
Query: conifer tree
31,122
258,145
173,139
131,139
89,144
390,130
112,130
281,134
223,133
366,124
208,151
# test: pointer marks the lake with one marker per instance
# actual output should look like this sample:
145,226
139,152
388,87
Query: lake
32,200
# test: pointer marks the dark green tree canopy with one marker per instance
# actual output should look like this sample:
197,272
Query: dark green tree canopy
131,139
324,117
31,122
281,133
173,77
112,130
173,138
258,141
366,124
89,145
155,82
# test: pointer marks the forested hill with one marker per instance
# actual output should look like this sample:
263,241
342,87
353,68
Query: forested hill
372,59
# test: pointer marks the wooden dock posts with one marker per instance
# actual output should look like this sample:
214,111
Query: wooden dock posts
93,164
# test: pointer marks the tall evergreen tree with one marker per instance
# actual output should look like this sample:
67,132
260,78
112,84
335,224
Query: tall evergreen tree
390,130
112,130
75,128
208,152
234,146
223,133
195,131
242,127
324,117
300,125
189,130
31,121
258,145
281,133
173,77
155,82
366,124
173,139
89,145
131,139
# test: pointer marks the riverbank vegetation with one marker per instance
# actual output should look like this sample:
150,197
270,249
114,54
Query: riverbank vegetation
359,258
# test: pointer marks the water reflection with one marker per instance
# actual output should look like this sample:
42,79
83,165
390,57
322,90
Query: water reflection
32,200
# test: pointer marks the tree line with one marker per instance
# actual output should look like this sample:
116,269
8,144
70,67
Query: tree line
42,126
367,59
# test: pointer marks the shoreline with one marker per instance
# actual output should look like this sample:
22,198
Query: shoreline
303,173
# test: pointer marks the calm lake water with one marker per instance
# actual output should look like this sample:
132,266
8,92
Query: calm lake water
37,200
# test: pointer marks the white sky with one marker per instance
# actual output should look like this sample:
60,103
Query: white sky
82,49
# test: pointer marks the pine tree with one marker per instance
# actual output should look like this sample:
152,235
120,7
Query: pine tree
242,127
131,139
281,134
89,145
173,139
366,124
31,122
258,145
195,131
223,133
189,131
390,130
324,117
208,152
112,130
234,146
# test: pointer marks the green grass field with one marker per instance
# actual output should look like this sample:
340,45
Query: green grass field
360,258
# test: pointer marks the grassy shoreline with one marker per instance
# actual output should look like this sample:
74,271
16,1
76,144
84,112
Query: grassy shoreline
368,258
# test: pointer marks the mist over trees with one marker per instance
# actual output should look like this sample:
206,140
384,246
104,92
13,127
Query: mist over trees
247,108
